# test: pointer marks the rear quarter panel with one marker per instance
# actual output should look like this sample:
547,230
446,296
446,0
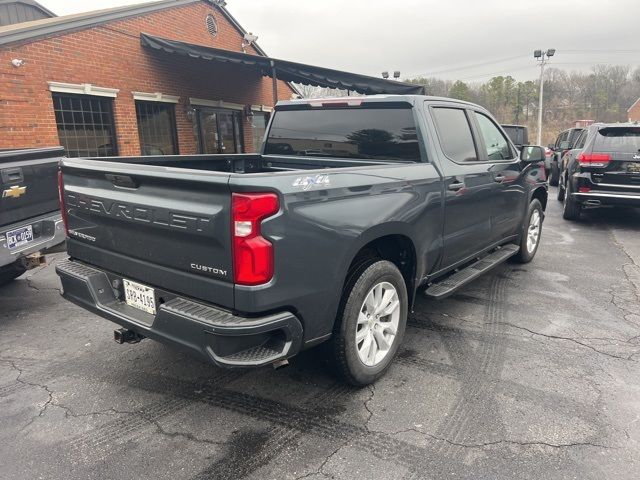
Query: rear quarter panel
319,231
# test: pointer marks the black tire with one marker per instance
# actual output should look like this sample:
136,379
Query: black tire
555,174
342,346
11,272
570,209
560,193
524,255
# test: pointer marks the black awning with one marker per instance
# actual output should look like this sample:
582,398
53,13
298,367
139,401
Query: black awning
285,70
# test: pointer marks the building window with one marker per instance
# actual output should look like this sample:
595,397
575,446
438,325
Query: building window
157,128
259,127
85,125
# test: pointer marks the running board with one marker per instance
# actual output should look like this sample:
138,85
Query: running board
449,285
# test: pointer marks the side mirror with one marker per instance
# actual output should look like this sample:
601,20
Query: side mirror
551,146
565,145
532,154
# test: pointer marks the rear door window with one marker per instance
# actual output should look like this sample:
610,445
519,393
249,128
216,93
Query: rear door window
618,139
495,143
364,133
455,135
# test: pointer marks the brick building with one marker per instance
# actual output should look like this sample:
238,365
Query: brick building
634,112
166,77
85,81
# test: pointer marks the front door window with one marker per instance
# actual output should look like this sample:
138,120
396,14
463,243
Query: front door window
219,131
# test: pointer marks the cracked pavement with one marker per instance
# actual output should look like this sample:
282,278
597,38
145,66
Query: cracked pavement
530,372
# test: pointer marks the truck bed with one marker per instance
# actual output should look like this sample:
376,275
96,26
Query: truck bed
244,163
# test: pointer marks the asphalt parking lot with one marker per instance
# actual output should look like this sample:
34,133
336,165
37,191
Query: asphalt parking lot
530,372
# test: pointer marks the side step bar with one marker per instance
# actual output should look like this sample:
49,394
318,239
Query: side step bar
450,284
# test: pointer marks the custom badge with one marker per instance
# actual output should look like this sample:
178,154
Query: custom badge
14,192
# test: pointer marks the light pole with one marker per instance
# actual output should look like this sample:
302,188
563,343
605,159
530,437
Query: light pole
543,58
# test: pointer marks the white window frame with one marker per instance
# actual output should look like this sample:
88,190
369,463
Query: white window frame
155,97
83,89
201,102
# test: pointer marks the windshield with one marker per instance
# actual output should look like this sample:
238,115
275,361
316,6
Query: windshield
371,133
516,134
618,139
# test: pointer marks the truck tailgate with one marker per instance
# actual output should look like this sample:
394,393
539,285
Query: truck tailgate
28,183
161,226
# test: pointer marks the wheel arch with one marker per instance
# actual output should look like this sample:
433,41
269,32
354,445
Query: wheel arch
393,243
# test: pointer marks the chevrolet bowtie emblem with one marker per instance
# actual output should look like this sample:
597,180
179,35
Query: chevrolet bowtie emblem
14,191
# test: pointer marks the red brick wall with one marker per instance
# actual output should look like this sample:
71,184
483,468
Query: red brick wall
110,55
634,112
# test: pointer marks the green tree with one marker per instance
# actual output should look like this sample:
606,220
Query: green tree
460,90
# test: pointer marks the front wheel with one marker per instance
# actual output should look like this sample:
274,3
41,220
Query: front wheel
555,174
11,272
371,322
531,233
561,193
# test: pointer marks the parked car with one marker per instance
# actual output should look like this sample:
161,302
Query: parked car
248,259
30,220
604,172
519,134
565,142
568,157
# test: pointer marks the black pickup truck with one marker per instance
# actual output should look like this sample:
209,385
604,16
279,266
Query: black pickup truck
30,220
353,207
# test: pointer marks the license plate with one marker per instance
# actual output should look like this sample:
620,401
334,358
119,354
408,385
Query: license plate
633,167
19,237
140,296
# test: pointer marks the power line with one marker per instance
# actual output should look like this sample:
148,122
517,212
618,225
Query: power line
469,66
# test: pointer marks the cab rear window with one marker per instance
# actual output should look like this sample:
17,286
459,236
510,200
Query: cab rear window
366,133
618,139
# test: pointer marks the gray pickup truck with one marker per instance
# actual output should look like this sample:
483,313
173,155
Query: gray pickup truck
30,220
353,207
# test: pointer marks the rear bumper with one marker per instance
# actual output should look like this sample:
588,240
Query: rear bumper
215,334
48,232
607,198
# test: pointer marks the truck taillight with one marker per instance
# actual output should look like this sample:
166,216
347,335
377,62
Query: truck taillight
252,253
63,207
594,159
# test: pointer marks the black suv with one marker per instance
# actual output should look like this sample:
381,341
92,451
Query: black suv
603,170
565,142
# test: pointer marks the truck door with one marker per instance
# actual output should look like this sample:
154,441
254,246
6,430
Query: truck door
469,188
506,169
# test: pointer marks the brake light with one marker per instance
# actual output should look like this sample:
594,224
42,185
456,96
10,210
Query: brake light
584,189
594,159
63,207
252,253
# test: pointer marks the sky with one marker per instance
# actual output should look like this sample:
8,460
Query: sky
470,40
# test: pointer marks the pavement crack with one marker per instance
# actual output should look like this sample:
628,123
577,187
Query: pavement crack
372,389
320,470
50,393
188,436
502,442
569,339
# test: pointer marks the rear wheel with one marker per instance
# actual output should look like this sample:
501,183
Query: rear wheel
371,322
11,272
555,174
531,233
570,208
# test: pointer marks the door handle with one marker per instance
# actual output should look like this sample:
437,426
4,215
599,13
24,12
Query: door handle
498,178
456,185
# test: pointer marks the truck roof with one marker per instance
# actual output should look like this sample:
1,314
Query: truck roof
412,99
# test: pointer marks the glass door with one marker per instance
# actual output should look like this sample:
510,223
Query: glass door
219,131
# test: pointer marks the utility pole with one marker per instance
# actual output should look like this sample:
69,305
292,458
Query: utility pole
543,58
